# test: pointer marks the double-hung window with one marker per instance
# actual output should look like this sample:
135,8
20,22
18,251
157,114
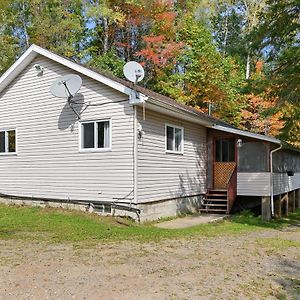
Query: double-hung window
95,135
174,139
8,141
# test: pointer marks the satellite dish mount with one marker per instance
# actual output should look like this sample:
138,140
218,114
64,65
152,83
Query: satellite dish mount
135,73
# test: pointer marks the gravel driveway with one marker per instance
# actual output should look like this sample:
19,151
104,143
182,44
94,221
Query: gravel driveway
264,265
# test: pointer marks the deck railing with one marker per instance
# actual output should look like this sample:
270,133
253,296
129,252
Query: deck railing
231,190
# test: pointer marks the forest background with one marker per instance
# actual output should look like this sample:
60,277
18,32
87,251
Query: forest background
241,58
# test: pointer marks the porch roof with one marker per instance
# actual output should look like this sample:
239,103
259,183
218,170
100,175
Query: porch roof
247,134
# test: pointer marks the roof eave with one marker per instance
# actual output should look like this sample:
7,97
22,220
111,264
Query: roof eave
34,50
247,134
168,109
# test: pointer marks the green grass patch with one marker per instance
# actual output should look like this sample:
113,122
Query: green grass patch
55,225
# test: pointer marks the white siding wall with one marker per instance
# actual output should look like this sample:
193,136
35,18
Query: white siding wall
49,163
162,175
258,184
253,184
284,183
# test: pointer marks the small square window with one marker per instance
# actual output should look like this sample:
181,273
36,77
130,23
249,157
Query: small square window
95,135
174,139
8,141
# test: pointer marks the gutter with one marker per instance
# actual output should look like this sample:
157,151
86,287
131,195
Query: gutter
184,114
271,178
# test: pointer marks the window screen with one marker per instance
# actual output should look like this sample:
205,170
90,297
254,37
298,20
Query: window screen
88,135
2,141
253,157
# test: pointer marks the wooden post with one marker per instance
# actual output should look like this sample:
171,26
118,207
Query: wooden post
266,208
277,206
293,201
297,200
286,204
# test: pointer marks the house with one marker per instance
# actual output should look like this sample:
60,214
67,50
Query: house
126,150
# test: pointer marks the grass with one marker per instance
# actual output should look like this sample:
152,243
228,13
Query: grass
54,225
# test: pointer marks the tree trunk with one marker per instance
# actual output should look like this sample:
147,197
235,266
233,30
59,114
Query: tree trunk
248,66
105,30
225,37
24,26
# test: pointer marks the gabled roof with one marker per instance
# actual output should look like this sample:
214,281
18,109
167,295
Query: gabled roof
125,87
33,51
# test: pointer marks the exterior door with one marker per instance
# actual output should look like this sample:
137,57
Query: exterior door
224,162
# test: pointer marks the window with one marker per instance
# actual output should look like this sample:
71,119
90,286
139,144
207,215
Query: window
225,150
8,141
174,139
95,135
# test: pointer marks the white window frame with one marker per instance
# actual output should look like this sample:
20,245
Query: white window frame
5,130
166,139
95,149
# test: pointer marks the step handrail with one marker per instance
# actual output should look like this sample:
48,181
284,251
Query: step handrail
231,189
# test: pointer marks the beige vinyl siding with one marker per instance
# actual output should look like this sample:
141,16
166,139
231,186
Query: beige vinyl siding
253,184
164,175
283,183
49,163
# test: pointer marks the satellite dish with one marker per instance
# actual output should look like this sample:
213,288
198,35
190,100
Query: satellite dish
66,86
133,71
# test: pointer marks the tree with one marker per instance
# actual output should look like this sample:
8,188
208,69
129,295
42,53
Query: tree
56,25
279,36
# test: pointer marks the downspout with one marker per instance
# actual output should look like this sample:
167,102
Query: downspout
135,155
271,178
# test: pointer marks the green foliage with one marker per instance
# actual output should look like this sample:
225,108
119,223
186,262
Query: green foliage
109,62
204,76
197,52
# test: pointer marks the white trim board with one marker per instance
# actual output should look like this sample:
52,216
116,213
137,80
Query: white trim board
34,50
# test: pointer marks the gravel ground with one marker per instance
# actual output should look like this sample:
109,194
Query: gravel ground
264,265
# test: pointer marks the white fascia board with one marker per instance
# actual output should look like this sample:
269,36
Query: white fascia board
34,50
178,113
247,134
17,68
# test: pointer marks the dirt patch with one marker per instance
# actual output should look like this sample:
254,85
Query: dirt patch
251,266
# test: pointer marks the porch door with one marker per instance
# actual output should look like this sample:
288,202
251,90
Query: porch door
224,162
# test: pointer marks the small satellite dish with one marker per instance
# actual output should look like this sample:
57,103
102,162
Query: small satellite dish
133,71
66,86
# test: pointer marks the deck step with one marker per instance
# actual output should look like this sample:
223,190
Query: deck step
213,200
214,204
212,210
219,195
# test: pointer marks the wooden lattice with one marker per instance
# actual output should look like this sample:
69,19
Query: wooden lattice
222,173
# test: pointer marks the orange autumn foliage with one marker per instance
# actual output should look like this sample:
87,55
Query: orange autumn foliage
261,116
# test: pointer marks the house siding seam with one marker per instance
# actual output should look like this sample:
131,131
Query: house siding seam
162,175
49,163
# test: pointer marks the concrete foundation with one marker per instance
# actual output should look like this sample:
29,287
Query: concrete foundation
169,208
43,203
149,211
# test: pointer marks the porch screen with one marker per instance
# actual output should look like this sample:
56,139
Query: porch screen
253,157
